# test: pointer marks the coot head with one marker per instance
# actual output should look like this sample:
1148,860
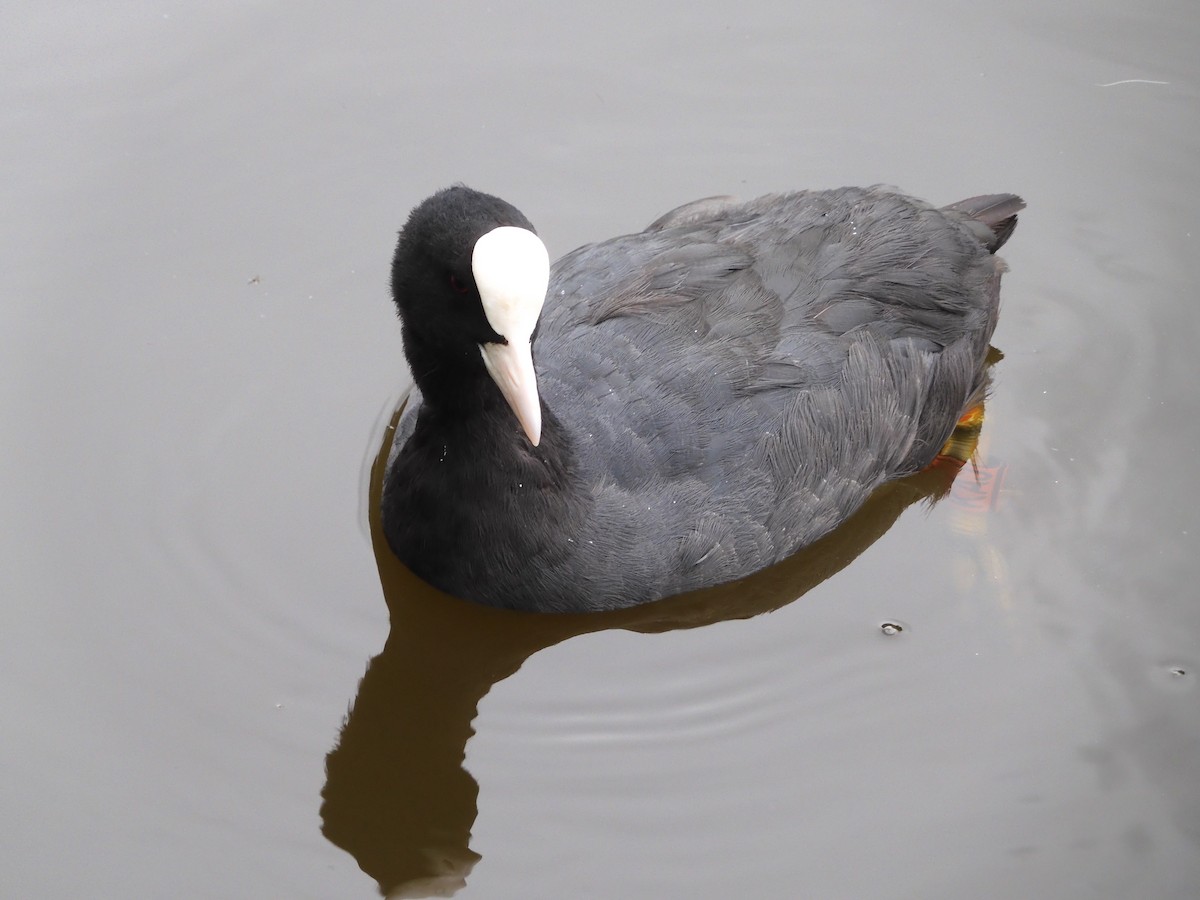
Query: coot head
469,278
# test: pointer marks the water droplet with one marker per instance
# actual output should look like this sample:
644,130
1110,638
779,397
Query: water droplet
890,628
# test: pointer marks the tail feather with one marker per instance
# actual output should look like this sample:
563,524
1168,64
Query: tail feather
996,211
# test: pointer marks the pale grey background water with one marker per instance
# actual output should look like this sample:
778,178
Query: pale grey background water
198,210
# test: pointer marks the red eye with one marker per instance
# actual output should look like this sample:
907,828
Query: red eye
457,286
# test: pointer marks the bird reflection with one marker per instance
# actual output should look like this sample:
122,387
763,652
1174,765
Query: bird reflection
397,796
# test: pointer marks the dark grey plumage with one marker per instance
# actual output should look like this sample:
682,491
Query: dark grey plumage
718,391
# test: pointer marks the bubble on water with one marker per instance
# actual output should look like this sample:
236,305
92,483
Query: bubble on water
1174,675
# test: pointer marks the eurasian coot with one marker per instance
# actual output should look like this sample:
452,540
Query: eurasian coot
695,402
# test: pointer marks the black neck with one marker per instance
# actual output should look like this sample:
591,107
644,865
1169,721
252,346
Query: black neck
450,377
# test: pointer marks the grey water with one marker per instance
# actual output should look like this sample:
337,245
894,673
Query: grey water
214,682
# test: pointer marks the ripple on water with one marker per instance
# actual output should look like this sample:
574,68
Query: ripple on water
661,738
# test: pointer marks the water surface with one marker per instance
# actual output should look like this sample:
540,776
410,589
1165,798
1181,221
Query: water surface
201,361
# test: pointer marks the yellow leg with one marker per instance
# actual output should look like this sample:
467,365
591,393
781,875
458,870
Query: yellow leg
961,445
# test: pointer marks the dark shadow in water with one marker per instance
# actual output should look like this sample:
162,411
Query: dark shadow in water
397,796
